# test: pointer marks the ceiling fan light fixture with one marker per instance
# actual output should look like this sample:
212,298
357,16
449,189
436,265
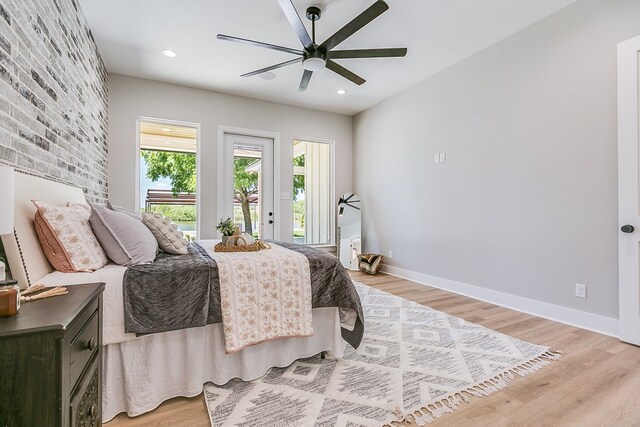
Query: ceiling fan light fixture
313,64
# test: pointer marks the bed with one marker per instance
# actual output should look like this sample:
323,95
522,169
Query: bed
142,371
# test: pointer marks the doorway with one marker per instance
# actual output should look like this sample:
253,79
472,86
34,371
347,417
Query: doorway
629,189
247,195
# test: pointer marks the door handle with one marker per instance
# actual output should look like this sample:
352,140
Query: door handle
627,228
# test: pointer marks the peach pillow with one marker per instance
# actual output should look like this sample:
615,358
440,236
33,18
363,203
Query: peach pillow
66,237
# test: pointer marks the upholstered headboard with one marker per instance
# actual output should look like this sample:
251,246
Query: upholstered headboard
27,261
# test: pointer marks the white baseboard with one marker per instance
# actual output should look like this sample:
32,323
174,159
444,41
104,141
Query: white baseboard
581,319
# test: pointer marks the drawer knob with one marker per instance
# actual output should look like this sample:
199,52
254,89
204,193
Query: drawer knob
93,412
90,345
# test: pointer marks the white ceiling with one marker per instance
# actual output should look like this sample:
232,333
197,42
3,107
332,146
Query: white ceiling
438,33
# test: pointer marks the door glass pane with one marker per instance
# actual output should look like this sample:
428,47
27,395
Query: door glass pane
247,183
313,207
168,173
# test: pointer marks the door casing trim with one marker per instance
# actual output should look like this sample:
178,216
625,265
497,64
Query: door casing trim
628,133
277,171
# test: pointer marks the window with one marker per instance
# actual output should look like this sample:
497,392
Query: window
168,172
313,188
247,168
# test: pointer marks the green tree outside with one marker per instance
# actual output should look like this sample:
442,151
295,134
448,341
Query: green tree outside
245,185
180,168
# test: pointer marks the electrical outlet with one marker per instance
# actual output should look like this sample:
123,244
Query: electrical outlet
581,290
390,254
436,158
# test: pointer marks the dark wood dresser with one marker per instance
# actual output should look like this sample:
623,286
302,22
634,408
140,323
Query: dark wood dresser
51,361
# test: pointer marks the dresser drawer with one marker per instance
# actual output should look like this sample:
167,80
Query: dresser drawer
83,347
85,406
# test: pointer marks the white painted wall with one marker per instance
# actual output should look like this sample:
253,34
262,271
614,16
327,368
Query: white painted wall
526,203
132,97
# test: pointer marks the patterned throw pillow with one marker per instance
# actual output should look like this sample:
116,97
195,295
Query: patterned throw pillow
66,237
170,239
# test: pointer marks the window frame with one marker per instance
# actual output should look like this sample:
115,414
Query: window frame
197,127
332,188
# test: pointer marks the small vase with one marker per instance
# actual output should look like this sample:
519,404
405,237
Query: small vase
225,239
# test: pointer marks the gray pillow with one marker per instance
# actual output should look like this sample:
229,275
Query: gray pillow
125,240
136,215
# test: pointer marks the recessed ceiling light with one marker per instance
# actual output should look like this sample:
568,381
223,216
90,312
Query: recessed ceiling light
267,75
341,92
170,53
165,130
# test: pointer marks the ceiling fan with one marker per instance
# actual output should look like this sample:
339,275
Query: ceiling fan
315,57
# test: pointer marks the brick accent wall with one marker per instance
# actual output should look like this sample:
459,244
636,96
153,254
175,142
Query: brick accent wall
53,94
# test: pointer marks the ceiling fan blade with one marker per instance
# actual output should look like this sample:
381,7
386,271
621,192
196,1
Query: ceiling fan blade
375,10
305,80
339,69
272,67
368,53
259,44
294,19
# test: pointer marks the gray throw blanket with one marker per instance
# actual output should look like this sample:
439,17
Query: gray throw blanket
183,291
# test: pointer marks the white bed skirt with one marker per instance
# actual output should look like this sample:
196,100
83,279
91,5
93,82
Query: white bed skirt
141,374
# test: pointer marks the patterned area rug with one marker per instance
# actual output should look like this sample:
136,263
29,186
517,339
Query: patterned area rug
414,364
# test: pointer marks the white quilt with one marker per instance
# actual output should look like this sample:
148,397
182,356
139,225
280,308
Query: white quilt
265,295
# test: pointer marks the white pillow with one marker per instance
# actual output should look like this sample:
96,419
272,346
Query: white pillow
170,239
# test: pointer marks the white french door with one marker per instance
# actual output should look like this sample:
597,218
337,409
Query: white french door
248,183
629,189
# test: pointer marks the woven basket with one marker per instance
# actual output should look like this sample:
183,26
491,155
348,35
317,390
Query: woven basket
232,246
370,263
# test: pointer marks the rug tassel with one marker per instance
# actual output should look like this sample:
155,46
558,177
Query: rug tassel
446,405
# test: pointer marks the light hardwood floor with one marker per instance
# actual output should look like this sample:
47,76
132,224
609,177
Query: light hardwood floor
595,383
